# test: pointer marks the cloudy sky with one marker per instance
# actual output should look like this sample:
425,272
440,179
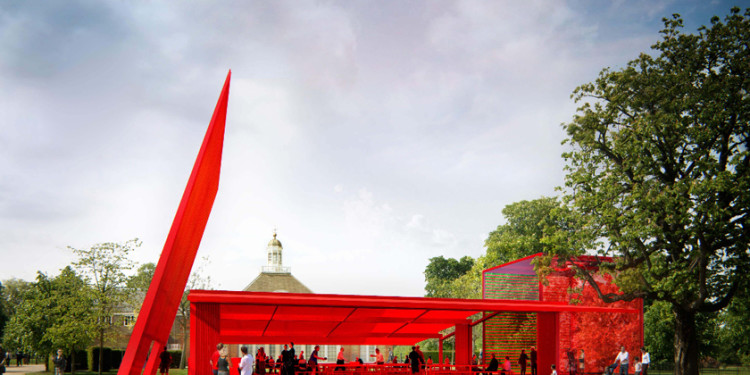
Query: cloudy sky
373,135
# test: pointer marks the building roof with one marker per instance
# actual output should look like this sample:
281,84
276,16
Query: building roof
276,282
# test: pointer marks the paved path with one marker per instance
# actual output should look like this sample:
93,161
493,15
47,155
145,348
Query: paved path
25,369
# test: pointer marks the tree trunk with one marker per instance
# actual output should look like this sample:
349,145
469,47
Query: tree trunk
72,362
685,342
185,351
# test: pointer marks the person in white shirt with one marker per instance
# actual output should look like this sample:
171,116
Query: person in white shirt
623,357
246,363
637,367
554,372
646,360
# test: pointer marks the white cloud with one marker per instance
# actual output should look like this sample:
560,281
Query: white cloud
445,111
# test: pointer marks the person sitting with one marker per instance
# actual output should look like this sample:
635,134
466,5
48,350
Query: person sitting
507,366
301,363
475,363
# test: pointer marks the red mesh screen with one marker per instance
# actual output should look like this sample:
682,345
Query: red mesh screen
599,334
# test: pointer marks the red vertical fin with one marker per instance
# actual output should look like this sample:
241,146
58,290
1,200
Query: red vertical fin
173,270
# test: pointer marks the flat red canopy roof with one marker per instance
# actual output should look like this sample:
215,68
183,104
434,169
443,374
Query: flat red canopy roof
275,318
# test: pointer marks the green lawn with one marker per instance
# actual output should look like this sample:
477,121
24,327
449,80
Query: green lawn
172,371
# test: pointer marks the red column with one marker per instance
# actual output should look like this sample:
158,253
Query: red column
204,335
440,350
463,344
153,361
547,342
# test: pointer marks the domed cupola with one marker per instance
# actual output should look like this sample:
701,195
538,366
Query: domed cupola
274,250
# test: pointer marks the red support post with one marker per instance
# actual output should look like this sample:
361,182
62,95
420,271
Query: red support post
547,341
440,350
153,360
463,344
205,328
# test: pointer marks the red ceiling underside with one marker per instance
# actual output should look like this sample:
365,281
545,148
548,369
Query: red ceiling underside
273,318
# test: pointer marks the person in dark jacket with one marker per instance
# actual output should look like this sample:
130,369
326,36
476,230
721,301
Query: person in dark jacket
414,360
59,362
494,364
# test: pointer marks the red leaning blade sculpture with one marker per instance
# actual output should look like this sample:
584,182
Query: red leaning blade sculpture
171,275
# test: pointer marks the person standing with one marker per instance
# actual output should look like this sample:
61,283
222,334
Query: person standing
59,362
313,362
421,358
414,360
246,363
224,363
582,363
378,357
214,361
554,372
533,360
289,362
165,360
522,359
260,360
645,361
623,358
340,360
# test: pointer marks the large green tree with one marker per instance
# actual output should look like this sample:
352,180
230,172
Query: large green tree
104,267
52,313
657,174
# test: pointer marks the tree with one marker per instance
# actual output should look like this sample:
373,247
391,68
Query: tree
70,310
137,285
734,331
440,272
657,174
527,224
51,313
26,327
11,295
103,267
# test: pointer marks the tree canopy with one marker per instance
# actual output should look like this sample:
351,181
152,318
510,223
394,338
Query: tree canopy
657,174
103,267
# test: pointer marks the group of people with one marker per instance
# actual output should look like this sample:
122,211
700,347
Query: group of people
287,364
523,360
623,359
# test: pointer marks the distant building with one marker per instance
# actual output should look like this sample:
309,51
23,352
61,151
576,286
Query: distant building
274,277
